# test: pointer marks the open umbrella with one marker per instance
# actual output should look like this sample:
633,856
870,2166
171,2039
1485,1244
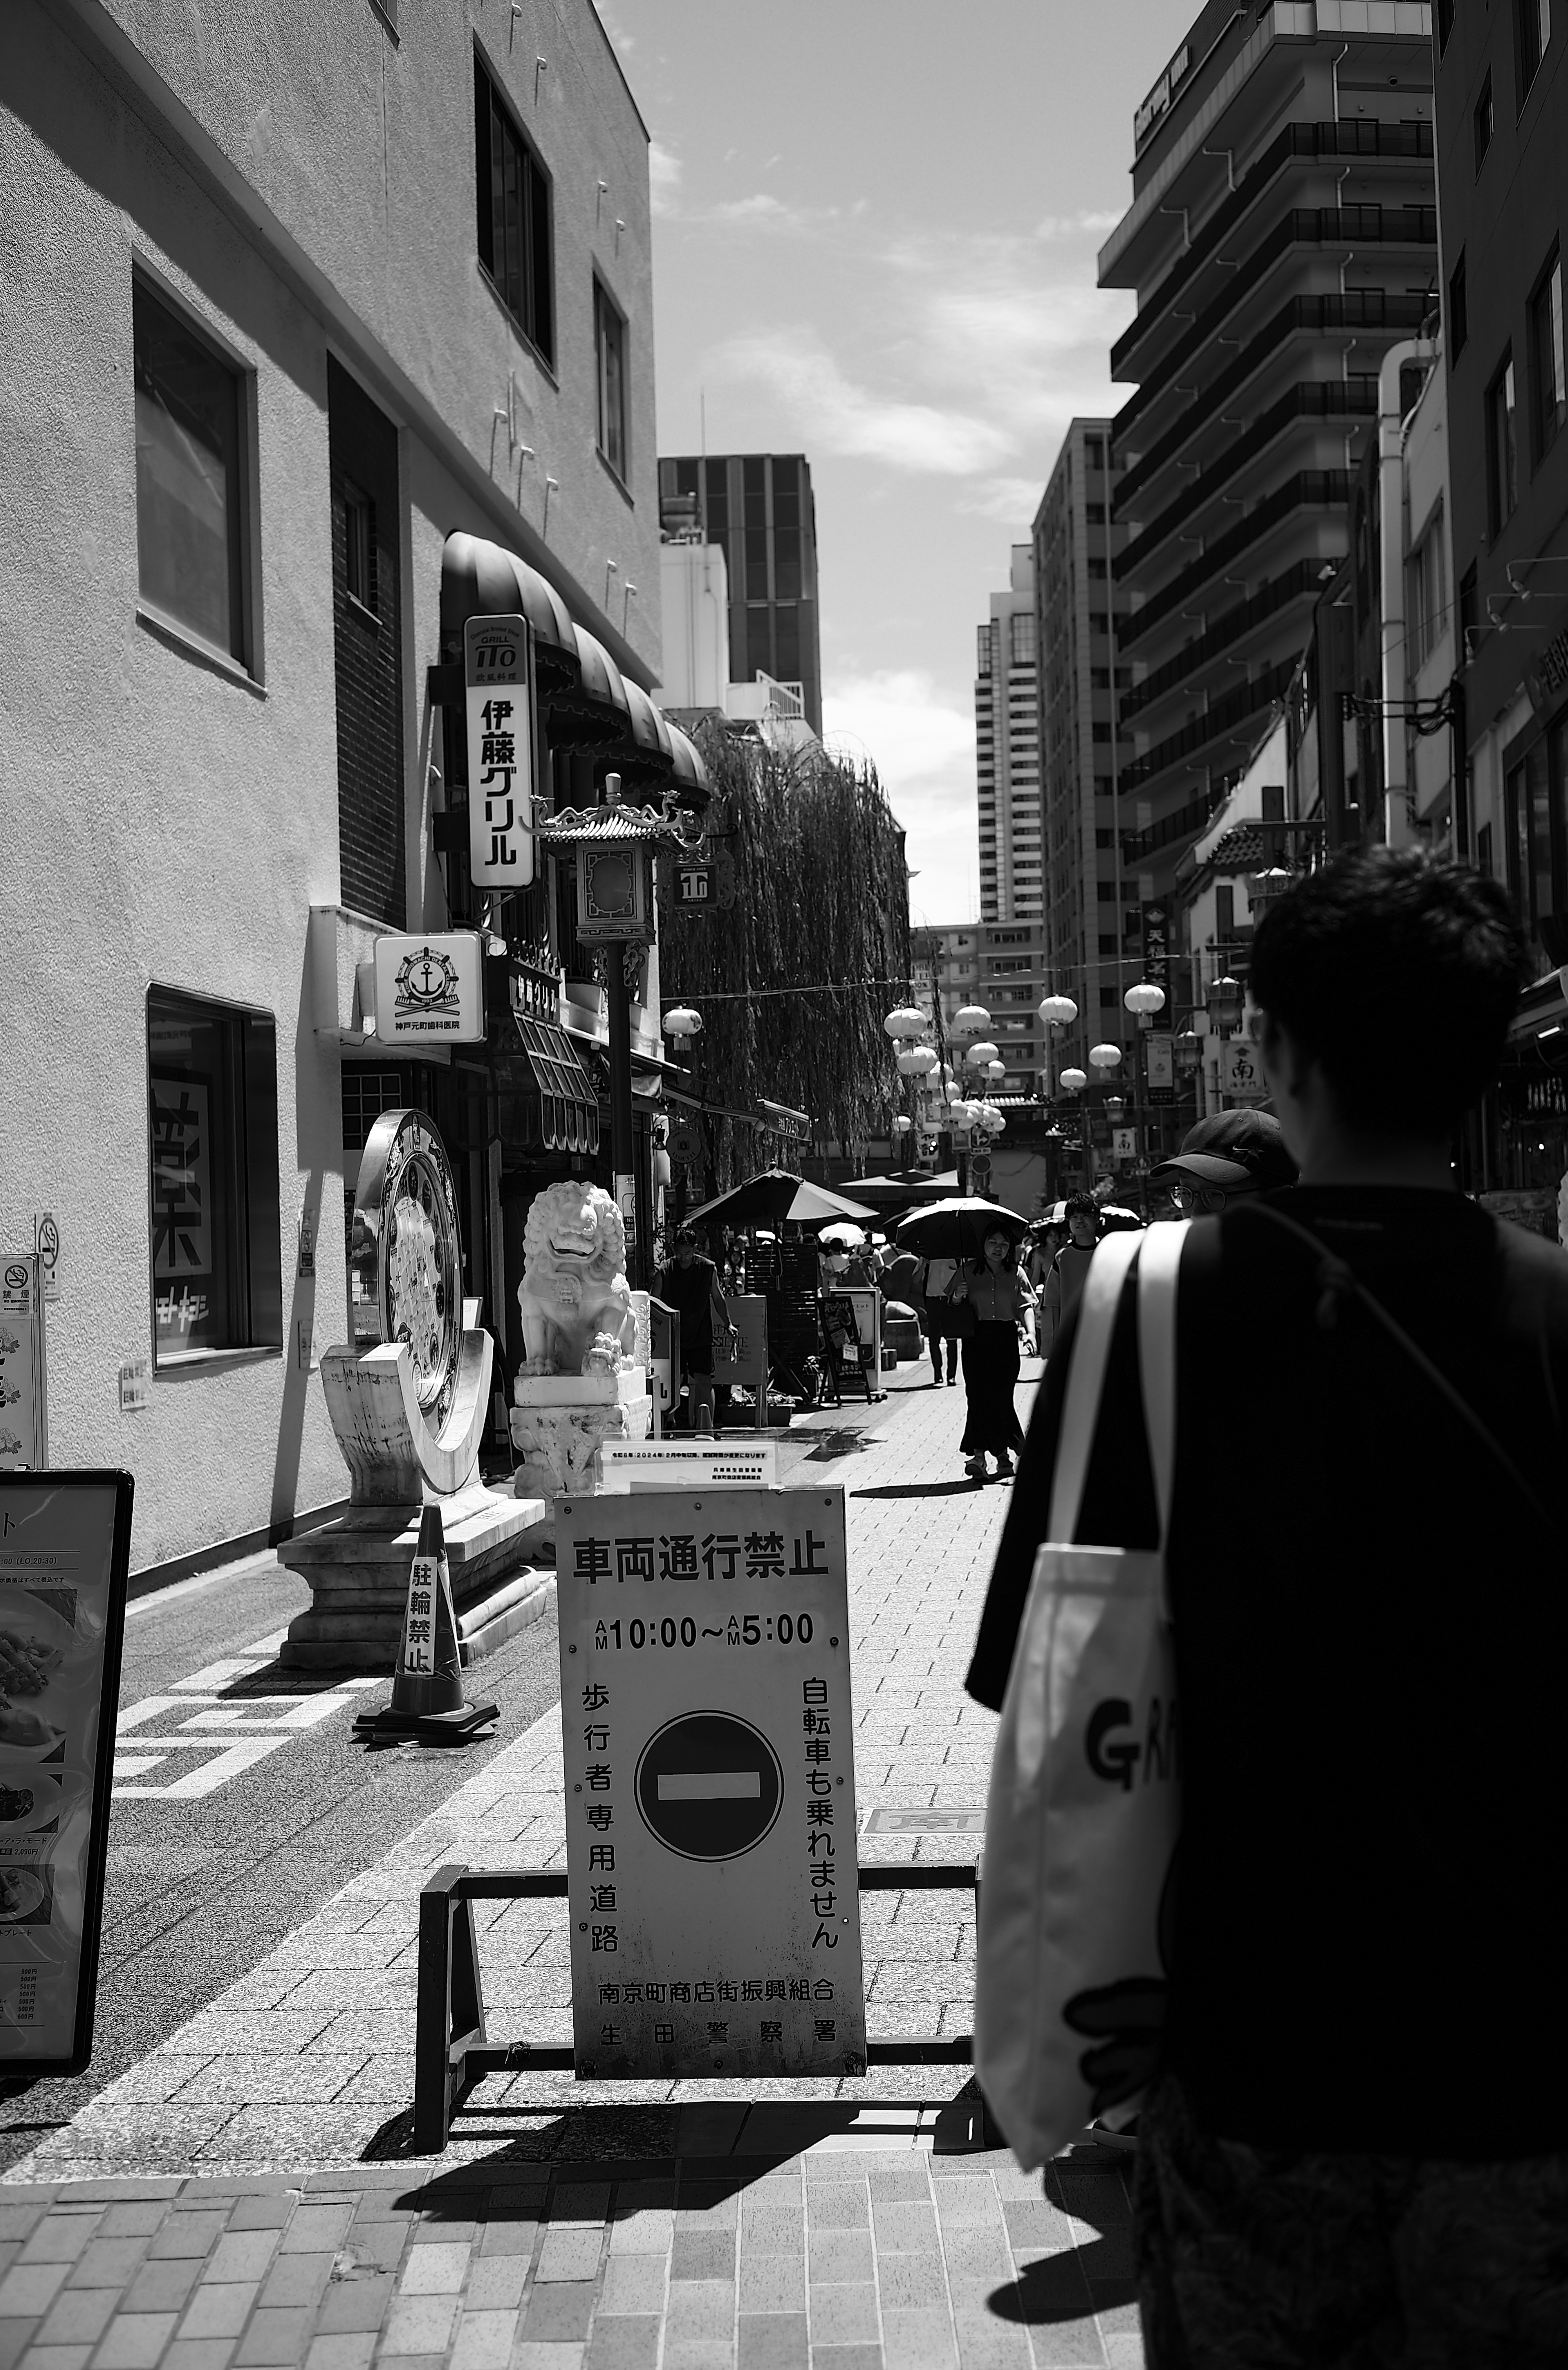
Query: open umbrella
774,1198
843,1235
957,1228
900,1192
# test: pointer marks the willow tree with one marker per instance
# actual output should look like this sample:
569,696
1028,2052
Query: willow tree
793,981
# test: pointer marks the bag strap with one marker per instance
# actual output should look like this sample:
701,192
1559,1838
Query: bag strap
1097,1310
1339,1281
1158,1266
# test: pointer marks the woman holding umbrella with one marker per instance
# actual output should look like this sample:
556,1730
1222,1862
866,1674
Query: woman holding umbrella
999,1292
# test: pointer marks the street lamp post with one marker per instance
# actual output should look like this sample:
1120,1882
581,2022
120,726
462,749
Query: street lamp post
1143,1002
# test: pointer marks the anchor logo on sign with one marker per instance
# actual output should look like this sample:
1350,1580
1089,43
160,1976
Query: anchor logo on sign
427,981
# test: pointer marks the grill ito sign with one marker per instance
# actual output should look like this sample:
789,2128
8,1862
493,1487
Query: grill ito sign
498,698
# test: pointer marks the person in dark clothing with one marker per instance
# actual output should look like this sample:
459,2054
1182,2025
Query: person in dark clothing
998,1293
1225,1155
1355,2145
1068,1269
689,1285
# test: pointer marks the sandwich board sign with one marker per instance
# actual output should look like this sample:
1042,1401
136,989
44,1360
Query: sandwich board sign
706,1729
64,1555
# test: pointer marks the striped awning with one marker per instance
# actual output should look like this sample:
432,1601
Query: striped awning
566,1097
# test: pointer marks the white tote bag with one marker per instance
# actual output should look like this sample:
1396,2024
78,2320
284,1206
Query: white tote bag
1081,1817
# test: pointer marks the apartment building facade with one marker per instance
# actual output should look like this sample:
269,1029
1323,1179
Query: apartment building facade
1007,750
1090,906
759,509
1281,236
278,380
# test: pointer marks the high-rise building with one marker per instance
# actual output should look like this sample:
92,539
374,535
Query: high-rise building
1007,749
1000,965
1281,236
758,507
1089,904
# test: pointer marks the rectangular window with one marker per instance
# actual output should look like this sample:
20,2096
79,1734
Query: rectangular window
1459,312
1550,380
1484,849
1532,20
1021,629
189,474
1426,594
1444,24
1484,121
609,352
514,197
1470,614
359,545
983,650
1501,456
212,1160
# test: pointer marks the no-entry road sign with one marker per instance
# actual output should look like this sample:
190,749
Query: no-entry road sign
708,1737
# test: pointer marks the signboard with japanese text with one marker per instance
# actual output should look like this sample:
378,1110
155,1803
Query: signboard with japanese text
1157,947
65,1552
499,701
1240,1071
1160,1058
430,989
1124,1143
686,1465
23,1439
711,1830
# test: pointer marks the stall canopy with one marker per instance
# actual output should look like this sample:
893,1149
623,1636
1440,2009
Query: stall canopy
902,1192
777,1198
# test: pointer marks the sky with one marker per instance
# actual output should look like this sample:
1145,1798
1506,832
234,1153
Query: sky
875,228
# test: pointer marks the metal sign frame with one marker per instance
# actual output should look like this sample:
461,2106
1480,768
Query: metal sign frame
25,1496
497,656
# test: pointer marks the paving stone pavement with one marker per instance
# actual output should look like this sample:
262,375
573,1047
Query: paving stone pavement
679,2226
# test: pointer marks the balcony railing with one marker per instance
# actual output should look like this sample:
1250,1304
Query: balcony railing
1308,490
1226,629
1246,700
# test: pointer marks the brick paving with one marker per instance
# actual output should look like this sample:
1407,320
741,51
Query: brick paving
244,2194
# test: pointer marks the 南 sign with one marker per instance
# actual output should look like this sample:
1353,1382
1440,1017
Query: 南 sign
1124,1143
710,1822
694,888
430,989
23,1408
1240,1071
65,1551
501,752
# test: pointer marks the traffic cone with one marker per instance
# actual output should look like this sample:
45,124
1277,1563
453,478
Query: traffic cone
427,1686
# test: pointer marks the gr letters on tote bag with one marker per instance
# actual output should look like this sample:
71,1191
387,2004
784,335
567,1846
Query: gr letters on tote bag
1081,1817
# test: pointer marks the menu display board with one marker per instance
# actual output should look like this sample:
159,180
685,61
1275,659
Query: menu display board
64,1556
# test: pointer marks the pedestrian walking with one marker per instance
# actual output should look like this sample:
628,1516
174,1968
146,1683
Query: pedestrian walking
1064,1281
1225,1157
941,1318
997,1293
1354,2146
689,1284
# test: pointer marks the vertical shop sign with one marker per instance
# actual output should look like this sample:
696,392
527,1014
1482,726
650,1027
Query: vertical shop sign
64,1553
711,1832
1157,947
24,1437
499,700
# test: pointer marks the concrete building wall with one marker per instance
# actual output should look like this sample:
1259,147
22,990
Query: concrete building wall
1007,749
298,184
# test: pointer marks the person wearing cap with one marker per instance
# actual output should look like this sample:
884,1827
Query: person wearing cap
1227,1155
1068,1269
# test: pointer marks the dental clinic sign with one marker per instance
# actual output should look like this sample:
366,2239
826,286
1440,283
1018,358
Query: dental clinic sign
430,990
498,698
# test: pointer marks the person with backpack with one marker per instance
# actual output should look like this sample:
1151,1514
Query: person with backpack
1354,2142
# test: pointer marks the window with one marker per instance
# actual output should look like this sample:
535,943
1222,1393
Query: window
1470,614
213,1158
1532,23
609,352
513,195
359,546
1426,594
1021,628
1502,459
1484,121
1484,849
1459,312
983,650
1550,381
189,502
1444,24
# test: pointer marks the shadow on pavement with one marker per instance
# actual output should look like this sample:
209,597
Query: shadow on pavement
963,1486
1096,2277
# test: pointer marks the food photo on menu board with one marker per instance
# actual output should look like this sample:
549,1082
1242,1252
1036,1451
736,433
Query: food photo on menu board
64,1542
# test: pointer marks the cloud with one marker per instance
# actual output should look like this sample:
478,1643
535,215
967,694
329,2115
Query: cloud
766,212
663,178
836,416
922,748
1084,224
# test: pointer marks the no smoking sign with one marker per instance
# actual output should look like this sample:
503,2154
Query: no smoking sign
708,1737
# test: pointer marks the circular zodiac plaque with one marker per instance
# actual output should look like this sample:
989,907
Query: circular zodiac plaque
408,1254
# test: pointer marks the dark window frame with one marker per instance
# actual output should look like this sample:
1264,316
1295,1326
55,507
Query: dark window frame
1483,120
611,340
244,1165
1503,383
1458,310
1529,48
359,547
524,277
1547,328
242,647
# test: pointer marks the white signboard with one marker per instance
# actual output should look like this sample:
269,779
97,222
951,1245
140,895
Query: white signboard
1124,1143
501,752
22,1439
710,1821
430,989
687,1465
1240,1071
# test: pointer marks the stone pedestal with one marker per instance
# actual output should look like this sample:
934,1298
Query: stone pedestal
559,1422
357,1569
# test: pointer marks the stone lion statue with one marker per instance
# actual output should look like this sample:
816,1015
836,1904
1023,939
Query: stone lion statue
573,1288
